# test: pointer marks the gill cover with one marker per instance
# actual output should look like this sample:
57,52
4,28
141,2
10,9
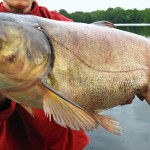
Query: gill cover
24,51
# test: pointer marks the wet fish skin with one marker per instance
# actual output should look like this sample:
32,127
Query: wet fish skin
95,67
114,61
24,52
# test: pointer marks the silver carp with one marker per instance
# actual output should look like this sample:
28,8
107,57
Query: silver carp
72,70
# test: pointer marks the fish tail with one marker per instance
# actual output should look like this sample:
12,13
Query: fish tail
108,123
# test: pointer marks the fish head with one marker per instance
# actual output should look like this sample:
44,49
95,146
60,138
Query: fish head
12,41
24,51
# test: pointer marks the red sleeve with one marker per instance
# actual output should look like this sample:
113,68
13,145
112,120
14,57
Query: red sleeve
4,115
79,140
73,140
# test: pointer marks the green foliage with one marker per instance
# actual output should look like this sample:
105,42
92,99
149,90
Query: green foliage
147,15
97,15
63,12
114,15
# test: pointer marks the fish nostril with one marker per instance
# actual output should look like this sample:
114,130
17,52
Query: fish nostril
11,58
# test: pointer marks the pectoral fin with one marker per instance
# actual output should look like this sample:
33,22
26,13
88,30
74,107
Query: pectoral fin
65,112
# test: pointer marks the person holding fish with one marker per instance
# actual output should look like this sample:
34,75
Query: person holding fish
71,71
18,129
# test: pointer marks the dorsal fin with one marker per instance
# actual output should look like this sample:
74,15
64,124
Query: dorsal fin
104,24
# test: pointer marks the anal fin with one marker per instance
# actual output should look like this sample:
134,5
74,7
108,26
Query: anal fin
108,123
99,110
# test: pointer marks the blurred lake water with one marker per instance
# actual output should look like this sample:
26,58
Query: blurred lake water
134,118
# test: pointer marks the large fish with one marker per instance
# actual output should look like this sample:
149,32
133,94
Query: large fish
72,70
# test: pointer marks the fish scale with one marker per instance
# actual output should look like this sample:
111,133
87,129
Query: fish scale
74,71
102,85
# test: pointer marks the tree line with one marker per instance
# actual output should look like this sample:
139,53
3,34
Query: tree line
114,15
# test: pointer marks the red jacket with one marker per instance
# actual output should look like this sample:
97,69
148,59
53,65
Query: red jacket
20,131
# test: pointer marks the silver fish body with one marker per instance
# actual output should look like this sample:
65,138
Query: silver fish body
72,70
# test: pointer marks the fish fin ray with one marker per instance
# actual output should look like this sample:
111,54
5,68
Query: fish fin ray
108,123
56,93
99,110
66,114
28,109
